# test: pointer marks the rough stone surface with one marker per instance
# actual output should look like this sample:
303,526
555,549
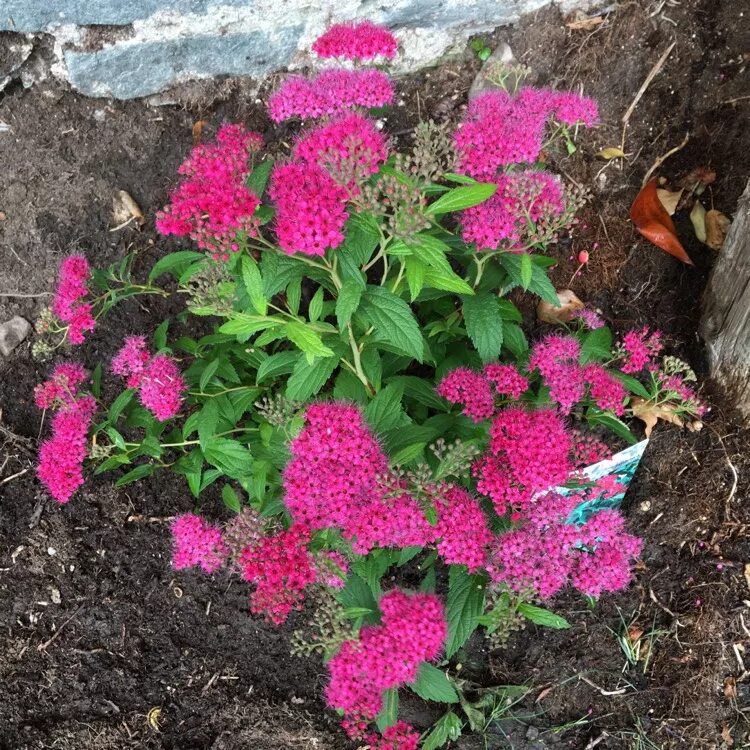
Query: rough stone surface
133,48
12,333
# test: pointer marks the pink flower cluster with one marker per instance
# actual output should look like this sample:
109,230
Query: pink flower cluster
213,202
640,349
350,148
412,630
506,380
281,568
588,449
310,208
61,457
71,289
329,93
356,41
557,360
545,553
197,543
591,319
160,385
462,529
400,736
500,130
676,387
521,198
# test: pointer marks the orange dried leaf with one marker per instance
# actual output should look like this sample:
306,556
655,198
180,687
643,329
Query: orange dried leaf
562,313
198,131
653,221
649,413
717,226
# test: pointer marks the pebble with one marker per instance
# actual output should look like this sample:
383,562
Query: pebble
54,595
12,333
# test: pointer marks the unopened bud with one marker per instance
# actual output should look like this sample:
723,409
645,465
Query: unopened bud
583,257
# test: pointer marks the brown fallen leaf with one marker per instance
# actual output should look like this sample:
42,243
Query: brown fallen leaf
747,574
198,131
649,413
726,735
634,634
730,688
578,21
125,210
611,152
717,226
669,199
653,221
698,219
562,313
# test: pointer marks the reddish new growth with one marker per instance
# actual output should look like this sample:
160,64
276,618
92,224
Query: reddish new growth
356,41
545,553
329,93
160,385
640,350
529,453
71,289
310,208
61,457
462,529
213,202
196,543
522,199
471,390
350,148
412,630
281,568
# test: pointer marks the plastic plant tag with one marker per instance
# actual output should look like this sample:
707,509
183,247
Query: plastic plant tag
621,468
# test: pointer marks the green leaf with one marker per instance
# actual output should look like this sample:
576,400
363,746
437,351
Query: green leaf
415,276
307,379
140,472
258,178
229,456
541,616
447,727
514,340
174,263
459,179
508,311
307,340
420,390
362,236
207,420
294,295
611,422
347,302
462,197
119,404
432,684
384,411
245,325
389,715
356,593
231,498
484,324
464,605
539,283
527,270
160,335
632,384
254,284
208,372
596,345
394,322
446,281
281,363
316,305
350,388
407,454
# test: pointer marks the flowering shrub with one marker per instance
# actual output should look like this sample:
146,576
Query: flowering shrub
367,400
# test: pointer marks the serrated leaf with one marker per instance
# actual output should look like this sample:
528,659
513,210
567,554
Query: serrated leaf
229,456
307,340
253,282
307,379
541,616
140,472
415,276
384,411
231,498
206,420
464,605
347,302
174,263
596,345
632,384
281,363
160,335
447,727
462,197
245,325
258,178
316,306
119,404
446,281
527,269
208,372
484,324
389,714
595,417
393,321
514,340
432,684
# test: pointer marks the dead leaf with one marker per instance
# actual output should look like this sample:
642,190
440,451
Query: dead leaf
717,226
747,574
578,21
669,199
544,693
125,210
726,735
730,688
650,413
634,634
153,717
198,131
697,179
562,313
698,218
655,224
611,152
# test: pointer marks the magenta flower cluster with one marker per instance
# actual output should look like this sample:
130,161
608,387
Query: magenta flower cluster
160,385
213,203
640,350
197,543
67,303
61,457
412,630
362,40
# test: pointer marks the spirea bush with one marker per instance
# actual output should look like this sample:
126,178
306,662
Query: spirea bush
395,455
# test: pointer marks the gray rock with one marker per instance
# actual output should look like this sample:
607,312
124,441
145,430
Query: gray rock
12,333
14,51
502,54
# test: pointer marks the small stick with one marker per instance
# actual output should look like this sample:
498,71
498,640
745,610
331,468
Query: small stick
585,679
13,476
650,77
25,296
43,646
666,156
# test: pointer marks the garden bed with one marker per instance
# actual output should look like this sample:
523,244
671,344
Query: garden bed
103,644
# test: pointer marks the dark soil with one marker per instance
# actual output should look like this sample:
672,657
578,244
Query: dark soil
103,646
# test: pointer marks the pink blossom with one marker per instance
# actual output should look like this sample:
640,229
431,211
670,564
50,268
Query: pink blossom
131,360
502,221
331,569
556,358
507,380
462,529
640,349
62,386
400,736
471,390
607,392
213,203
590,318
675,385
349,147
588,449
362,40
329,93
281,568
61,458
310,209
71,289
162,387
571,108
197,543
